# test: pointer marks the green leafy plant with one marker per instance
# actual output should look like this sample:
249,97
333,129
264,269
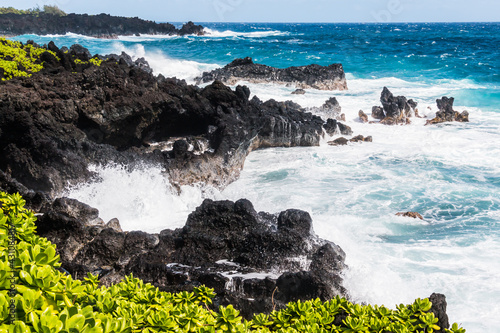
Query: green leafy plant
18,60
48,301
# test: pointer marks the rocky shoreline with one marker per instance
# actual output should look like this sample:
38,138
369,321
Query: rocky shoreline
100,26
73,114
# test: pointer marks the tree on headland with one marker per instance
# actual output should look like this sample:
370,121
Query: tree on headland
54,10
47,9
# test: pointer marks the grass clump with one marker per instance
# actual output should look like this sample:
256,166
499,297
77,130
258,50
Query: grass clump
45,300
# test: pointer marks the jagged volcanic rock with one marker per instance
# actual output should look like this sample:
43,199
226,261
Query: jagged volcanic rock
102,25
72,114
446,112
395,110
330,77
225,245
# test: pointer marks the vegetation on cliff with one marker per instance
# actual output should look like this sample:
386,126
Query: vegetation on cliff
35,296
22,60
47,9
17,59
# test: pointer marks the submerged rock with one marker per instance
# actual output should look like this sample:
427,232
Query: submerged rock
225,245
446,112
330,77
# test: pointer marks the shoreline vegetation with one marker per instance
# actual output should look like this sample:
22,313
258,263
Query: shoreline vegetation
66,128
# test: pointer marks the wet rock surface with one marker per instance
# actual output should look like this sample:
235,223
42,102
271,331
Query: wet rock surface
101,26
330,77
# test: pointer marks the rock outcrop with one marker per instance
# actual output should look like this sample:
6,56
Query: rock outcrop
446,112
101,26
394,110
330,77
74,113
248,257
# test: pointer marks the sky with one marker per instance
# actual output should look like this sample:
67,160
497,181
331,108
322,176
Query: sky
282,10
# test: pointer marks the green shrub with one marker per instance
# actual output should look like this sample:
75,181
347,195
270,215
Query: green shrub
18,60
48,301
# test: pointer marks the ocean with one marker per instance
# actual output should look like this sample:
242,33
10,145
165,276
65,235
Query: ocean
450,173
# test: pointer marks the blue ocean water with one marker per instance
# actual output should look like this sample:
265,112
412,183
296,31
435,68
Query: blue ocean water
450,173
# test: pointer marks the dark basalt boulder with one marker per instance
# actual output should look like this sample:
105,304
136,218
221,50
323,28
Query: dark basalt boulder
439,309
243,254
330,77
446,112
395,109
101,26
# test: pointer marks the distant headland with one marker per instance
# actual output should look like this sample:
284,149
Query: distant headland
53,21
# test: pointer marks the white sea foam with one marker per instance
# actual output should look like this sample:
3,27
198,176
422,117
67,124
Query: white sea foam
254,34
162,64
141,199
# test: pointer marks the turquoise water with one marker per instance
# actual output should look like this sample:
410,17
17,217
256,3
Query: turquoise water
449,173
